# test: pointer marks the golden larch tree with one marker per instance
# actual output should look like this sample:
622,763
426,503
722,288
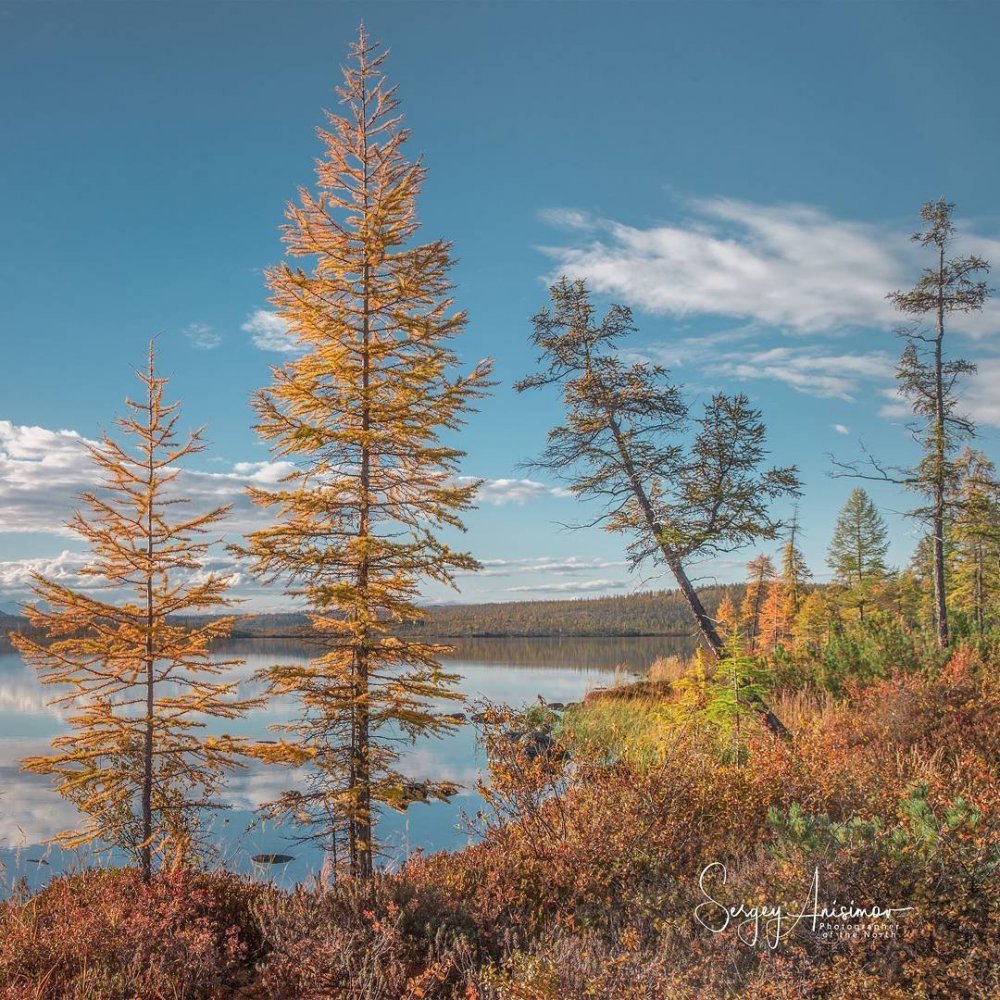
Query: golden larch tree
362,413
760,575
774,625
795,574
727,618
140,681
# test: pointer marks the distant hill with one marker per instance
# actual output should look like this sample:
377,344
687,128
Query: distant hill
651,613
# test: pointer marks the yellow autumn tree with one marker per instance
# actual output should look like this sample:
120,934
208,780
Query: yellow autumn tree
818,617
795,576
362,413
760,574
774,625
727,618
139,683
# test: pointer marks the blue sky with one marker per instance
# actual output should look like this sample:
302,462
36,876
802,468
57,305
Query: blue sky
745,175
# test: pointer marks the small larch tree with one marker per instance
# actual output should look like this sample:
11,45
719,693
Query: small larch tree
760,579
139,683
857,550
775,625
362,413
680,488
795,574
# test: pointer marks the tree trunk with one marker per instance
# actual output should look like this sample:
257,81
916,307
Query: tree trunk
146,852
361,820
706,624
940,595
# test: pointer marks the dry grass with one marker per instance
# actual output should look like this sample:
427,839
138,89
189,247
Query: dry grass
668,669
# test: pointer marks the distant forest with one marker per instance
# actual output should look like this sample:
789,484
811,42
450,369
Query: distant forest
650,613
661,612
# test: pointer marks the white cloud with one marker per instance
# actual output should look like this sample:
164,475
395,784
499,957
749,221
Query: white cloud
570,587
543,564
791,266
807,369
15,575
498,492
841,428
203,337
42,472
270,332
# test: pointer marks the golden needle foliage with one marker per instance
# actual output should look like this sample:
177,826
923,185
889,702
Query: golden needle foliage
361,413
139,682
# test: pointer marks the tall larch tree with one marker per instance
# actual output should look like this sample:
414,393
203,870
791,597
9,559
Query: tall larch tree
139,683
927,377
362,414
857,550
680,488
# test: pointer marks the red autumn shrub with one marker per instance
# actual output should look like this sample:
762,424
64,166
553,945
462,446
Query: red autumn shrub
104,934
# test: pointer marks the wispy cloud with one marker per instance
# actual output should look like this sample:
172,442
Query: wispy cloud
570,587
841,428
807,369
547,565
270,332
791,266
203,337
498,492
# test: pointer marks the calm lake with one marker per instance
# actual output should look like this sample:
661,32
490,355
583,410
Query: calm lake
511,670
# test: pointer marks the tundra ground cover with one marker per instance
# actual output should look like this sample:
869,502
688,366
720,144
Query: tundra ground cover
889,790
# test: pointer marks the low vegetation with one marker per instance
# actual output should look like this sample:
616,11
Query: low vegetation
586,880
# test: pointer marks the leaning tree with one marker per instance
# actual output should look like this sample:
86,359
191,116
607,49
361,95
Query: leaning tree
679,488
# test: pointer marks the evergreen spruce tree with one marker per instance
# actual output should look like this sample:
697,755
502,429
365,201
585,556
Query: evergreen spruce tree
362,414
857,550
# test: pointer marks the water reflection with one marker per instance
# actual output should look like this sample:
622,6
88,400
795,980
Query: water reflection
512,670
